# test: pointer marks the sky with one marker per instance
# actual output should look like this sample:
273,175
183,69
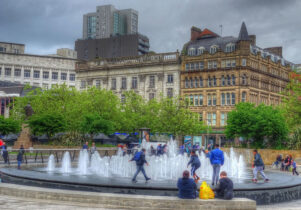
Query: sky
46,25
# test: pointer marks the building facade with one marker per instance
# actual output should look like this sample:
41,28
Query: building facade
115,46
148,75
36,70
107,21
219,72
7,47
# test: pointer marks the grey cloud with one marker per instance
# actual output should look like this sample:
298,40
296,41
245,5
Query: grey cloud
44,25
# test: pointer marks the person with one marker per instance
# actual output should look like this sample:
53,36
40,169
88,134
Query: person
93,148
287,163
216,160
294,164
19,159
195,164
278,160
159,148
4,153
153,151
139,163
186,186
22,150
182,150
85,146
224,189
258,166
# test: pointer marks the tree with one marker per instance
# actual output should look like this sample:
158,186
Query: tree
263,125
47,123
93,123
9,125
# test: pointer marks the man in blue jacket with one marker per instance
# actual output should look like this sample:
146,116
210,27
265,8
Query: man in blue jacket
140,162
187,187
216,160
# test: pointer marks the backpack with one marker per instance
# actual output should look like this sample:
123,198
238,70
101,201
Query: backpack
137,156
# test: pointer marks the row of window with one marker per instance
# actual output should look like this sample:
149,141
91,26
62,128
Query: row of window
227,99
212,50
227,80
152,95
211,118
213,64
36,74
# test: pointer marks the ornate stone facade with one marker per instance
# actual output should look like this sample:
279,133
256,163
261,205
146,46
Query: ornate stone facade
148,75
219,72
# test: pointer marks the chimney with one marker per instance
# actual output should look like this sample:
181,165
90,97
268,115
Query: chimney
275,50
194,33
252,39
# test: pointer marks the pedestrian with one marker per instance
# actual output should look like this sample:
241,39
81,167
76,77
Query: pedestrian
224,189
195,165
294,164
216,160
258,166
93,148
153,151
186,186
4,153
287,163
22,150
159,149
86,145
20,159
139,157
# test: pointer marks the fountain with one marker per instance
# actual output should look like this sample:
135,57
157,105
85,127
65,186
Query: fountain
51,163
66,163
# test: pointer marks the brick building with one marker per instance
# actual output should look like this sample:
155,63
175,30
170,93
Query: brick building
219,72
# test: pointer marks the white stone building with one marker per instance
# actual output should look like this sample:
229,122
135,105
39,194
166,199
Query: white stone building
37,70
148,75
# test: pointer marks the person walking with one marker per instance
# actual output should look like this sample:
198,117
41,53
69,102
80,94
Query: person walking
186,186
4,153
195,165
258,166
139,157
216,160
20,159
294,164
224,189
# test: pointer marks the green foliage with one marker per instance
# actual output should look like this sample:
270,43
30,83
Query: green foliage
9,125
47,123
263,125
294,140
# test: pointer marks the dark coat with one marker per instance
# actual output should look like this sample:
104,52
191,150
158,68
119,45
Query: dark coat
194,161
141,160
225,189
187,188
257,160
20,156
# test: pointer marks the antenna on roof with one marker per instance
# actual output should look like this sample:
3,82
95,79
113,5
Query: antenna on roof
221,26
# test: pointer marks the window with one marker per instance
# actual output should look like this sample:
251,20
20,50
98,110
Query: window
228,80
223,80
209,99
72,77
228,63
196,100
192,66
201,82
123,83
244,62
228,98
113,84
45,74
2,49
223,99
169,92
201,117
63,76
233,98
244,79
233,63
201,50
201,100
213,100
26,73
7,72
223,118
170,78
244,97
187,67
54,75
36,74
17,72
122,98
209,81
196,82
82,84
233,79
97,83
214,81
230,47
191,83
186,83
212,64
213,49
191,51
45,86
152,81
191,100
201,65
196,65
151,96
134,82
211,119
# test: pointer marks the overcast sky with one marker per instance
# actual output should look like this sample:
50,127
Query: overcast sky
45,25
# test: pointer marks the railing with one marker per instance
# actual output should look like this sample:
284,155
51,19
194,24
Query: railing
42,155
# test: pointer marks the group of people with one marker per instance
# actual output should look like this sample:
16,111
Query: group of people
286,163
20,154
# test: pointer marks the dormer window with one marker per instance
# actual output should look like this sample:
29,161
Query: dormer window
191,52
230,47
201,50
213,49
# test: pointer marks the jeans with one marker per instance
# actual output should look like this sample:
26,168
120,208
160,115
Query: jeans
260,170
140,168
215,176
19,164
193,169
295,171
